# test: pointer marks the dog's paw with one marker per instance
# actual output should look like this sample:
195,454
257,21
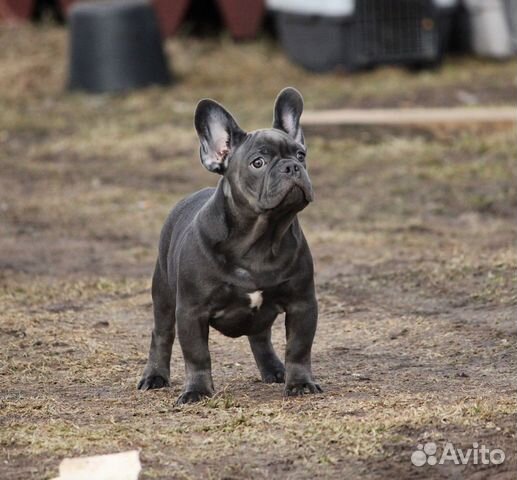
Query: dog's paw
274,376
297,389
150,382
192,397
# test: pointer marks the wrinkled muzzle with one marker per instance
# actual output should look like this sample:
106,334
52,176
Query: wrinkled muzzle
288,184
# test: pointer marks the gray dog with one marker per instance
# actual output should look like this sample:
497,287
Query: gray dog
234,257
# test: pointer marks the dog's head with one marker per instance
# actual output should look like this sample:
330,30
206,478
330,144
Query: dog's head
265,169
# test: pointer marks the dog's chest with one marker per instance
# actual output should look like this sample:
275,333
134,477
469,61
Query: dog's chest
239,301
239,311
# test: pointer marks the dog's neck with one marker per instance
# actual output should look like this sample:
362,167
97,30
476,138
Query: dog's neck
250,232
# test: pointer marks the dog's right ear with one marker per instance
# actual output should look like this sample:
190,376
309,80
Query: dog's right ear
218,134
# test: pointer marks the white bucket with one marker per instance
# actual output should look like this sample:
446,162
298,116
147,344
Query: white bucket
490,28
324,8
330,8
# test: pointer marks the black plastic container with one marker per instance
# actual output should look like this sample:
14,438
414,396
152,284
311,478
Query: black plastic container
115,46
411,32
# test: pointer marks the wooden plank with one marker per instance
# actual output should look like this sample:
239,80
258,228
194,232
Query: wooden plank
410,116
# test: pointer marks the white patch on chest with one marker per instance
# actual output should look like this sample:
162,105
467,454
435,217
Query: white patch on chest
218,313
255,299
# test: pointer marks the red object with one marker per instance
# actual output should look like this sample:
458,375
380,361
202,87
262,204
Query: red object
170,14
242,17
65,5
16,9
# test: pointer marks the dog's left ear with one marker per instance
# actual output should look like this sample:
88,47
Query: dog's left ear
288,110
218,134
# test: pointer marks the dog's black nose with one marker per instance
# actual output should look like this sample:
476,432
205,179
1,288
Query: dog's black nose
290,168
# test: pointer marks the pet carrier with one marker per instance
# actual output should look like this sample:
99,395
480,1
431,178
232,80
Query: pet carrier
323,34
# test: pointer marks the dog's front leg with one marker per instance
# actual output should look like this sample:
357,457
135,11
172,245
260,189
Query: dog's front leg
300,322
270,366
193,336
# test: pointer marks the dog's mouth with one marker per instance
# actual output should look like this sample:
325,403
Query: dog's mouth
298,190
298,194
303,185
307,192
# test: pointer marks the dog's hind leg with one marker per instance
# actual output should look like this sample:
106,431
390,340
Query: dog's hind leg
157,371
271,368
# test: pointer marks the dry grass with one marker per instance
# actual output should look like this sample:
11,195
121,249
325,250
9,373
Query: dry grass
412,234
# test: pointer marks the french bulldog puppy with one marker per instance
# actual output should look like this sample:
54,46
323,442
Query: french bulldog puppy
234,257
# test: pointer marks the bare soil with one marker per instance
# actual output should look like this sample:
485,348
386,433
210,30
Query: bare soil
413,235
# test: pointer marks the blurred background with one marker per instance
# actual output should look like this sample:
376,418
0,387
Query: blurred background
412,231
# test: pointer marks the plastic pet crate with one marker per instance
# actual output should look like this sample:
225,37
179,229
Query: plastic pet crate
353,34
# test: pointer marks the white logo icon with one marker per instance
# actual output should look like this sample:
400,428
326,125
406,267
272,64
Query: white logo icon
424,454
427,454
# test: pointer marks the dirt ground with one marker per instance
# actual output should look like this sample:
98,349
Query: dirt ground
413,235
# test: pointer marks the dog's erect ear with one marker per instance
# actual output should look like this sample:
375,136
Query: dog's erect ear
218,134
288,109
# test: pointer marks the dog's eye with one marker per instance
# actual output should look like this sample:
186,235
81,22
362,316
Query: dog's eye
300,156
258,163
